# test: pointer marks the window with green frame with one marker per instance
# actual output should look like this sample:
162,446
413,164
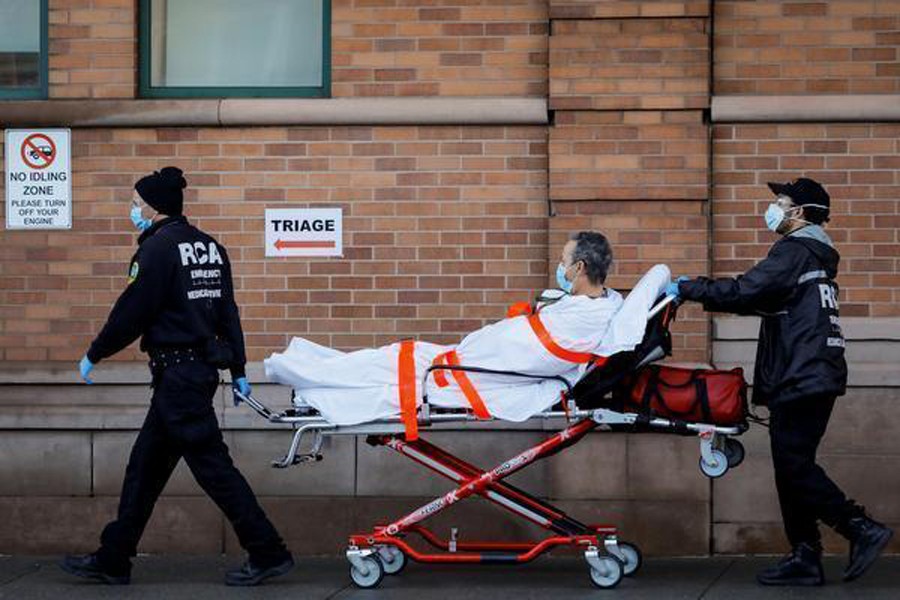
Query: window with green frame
235,48
23,49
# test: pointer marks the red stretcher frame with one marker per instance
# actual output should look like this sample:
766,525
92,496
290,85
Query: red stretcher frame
488,484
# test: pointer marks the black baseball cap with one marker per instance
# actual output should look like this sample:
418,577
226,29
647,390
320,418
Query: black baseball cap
803,191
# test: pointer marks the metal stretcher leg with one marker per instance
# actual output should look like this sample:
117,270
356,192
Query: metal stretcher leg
503,494
367,552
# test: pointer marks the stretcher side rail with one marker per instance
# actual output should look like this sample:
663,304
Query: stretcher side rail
319,427
469,369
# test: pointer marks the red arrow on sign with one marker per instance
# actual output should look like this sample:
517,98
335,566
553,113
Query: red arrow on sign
282,244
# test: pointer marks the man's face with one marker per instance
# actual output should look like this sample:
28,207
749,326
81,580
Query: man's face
791,212
146,211
572,269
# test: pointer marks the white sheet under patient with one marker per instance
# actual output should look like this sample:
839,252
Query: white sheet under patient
348,388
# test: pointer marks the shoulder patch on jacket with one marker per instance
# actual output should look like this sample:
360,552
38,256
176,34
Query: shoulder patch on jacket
133,272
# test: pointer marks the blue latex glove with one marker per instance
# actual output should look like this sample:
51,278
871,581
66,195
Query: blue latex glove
85,367
240,385
672,288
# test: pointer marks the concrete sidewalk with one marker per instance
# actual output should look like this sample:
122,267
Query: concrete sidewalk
199,578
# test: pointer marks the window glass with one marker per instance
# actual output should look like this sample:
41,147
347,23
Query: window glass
236,44
20,45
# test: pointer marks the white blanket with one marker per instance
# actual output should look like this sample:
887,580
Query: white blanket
356,387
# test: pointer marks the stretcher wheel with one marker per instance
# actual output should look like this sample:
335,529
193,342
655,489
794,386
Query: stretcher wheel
632,558
717,467
372,576
610,573
734,451
393,559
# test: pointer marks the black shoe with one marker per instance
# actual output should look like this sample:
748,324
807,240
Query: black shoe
248,574
89,567
803,566
868,539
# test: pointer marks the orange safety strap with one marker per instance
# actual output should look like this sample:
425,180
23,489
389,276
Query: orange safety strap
440,377
468,390
555,349
518,309
406,378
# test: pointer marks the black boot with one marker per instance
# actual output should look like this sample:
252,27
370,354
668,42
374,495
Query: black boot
249,574
868,539
803,566
89,567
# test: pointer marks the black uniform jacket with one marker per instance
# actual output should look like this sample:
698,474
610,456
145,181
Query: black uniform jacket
801,348
179,295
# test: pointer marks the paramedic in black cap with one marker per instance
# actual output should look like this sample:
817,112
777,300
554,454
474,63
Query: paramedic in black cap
179,299
800,371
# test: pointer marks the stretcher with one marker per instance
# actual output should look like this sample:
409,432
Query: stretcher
386,548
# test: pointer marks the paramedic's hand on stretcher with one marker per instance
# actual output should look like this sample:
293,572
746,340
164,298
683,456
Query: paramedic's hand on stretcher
85,367
240,385
672,288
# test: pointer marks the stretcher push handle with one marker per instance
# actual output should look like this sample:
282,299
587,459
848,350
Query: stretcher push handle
662,304
256,405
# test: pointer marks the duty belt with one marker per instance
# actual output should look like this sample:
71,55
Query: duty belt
162,358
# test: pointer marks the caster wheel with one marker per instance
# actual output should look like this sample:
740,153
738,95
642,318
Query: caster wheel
610,573
734,452
392,559
371,576
631,558
717,467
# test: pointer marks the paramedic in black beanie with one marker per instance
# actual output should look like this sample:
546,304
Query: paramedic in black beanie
800,371
179,299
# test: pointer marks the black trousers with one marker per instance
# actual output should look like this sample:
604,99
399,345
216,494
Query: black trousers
181,423
805,492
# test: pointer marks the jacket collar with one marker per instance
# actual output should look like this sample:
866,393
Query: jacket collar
813,232
159,225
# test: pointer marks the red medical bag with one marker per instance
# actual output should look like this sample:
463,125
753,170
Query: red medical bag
697,395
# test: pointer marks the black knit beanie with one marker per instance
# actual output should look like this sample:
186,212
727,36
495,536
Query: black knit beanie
162,190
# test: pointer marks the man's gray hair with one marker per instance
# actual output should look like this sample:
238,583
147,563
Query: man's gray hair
593,249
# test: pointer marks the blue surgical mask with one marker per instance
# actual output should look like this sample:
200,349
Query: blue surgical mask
138,219
774,217
561,280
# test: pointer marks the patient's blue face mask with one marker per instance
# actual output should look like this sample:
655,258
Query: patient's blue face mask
138,219
561,280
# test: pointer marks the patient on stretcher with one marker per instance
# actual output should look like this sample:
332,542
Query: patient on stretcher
561,336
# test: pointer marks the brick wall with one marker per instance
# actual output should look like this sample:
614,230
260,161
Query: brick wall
444,227
629,63
445,48
93,48
858,164
606,9
616,155
790,47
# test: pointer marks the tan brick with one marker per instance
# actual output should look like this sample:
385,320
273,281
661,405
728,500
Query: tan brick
469,49
806,47
593,157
